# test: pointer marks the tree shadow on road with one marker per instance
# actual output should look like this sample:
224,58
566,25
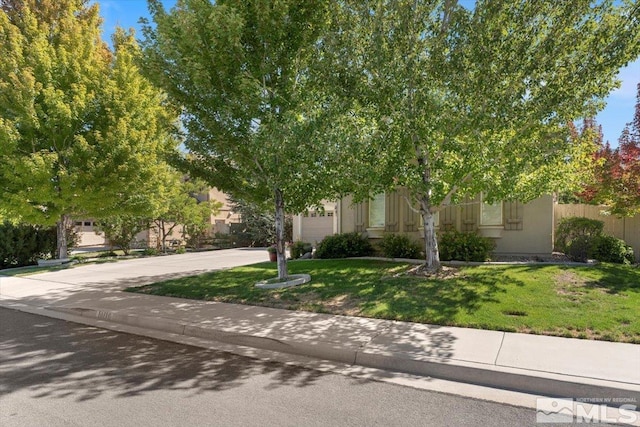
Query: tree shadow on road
50,358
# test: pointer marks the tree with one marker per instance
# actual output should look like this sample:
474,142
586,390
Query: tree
178,206
252,113
82,132
616,178
120,231
463,101
257,227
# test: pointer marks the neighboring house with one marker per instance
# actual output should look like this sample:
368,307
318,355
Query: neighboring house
219,223
222,220
517,228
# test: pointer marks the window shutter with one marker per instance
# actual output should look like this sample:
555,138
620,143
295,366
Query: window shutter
448,218
361,216
513,215
411,218
392,211
470,213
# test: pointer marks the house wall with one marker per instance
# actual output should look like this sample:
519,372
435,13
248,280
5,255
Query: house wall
525,229
536,235
86,232
627,229
220,221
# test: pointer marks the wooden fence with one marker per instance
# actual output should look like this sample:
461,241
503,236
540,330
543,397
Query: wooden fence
627,229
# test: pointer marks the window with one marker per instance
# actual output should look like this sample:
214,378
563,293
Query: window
376,211
490,214
329,213
87,223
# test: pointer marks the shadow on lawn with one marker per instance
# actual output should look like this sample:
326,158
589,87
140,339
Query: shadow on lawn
438,301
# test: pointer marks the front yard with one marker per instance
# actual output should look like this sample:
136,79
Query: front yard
600,302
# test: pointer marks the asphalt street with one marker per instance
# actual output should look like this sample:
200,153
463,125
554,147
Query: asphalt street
57,373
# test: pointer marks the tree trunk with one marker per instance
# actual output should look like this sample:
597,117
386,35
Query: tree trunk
282,259
61,232
430,239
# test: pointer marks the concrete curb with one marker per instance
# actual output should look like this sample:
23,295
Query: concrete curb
506,378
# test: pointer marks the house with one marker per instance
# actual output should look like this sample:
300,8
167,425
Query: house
219,222
517,228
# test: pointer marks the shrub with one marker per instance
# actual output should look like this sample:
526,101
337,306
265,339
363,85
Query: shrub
611,249
298,249
455,245
120,231
343,246
400,246
109,254
571,228
181,250
580,248
150,251
22,245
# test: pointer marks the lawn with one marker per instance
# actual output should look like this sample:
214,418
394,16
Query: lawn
600,302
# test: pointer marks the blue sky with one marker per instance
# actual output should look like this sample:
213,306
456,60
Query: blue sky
617,113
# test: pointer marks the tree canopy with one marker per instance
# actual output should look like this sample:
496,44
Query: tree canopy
82,132
461,101
615,181
254,115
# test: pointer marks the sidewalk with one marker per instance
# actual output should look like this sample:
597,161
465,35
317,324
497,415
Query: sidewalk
541,365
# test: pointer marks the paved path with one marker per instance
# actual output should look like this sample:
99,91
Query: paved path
540,365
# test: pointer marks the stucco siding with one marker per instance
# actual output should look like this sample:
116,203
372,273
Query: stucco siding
536,236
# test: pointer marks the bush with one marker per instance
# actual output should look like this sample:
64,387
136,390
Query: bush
343,246
298,249
400,246
109,254
22,245
120,231
455,245
150,252
571,228
611,249
580,248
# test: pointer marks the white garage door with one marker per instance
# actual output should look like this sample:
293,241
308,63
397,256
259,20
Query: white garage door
316,225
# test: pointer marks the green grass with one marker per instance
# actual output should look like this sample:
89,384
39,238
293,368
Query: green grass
83,258
601,302
33,269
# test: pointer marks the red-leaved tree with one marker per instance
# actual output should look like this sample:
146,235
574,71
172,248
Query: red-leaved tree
617,172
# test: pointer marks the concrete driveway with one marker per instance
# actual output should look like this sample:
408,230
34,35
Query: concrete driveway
114,276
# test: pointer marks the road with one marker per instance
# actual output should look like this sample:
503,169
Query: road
56,373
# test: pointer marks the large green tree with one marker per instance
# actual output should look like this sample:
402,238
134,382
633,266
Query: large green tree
461,101
252,110
82,133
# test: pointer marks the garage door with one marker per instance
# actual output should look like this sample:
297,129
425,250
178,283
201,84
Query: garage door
316,225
